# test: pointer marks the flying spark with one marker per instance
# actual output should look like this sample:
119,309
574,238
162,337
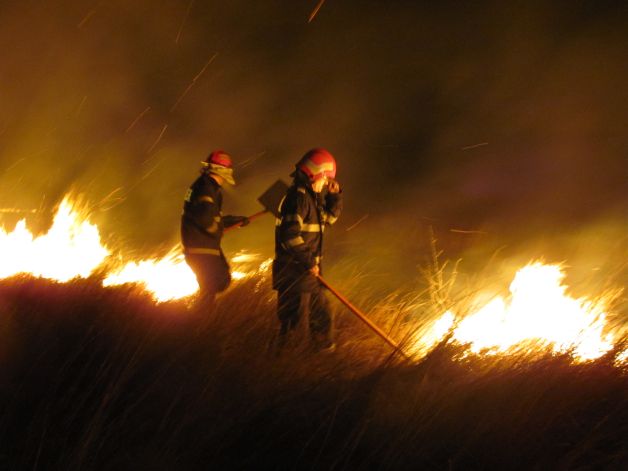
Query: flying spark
315,11
189,87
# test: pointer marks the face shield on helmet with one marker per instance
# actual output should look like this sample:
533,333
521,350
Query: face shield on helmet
219,163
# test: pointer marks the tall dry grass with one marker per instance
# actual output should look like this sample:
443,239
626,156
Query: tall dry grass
96,378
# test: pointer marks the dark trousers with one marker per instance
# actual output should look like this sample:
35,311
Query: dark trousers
212,274
293,305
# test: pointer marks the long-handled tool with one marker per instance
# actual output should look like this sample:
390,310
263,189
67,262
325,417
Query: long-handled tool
270,200
363,318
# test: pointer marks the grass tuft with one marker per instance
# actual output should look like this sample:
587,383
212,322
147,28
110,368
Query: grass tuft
102,378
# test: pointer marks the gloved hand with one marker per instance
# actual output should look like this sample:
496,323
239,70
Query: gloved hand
333,186
230,221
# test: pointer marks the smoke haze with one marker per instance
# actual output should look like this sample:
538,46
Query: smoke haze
497,125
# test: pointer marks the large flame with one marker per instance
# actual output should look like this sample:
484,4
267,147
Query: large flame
538,314
70,249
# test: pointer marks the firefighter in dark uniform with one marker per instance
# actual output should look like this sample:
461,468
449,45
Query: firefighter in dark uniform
202,225
312,202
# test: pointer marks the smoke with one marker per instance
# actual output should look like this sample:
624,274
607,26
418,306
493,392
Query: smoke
502,123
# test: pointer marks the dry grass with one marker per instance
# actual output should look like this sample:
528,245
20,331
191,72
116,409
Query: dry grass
97,378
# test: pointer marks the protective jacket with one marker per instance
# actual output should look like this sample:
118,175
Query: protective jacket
202,225
201,222
299,234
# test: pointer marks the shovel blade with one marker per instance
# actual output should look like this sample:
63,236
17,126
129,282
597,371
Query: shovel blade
272,197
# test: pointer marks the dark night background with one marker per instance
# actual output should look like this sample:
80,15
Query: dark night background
503,118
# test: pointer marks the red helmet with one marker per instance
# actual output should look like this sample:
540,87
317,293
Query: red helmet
219,157
219,163
317,163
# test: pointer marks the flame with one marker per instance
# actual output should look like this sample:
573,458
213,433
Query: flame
170,278
247,264
427,340
537,314
166,279
70,249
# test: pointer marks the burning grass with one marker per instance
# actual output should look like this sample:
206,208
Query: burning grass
104,378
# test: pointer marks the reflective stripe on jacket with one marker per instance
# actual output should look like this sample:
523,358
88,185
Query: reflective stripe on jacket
299,233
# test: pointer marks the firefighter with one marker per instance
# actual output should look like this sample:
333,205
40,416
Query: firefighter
202,225
313,202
